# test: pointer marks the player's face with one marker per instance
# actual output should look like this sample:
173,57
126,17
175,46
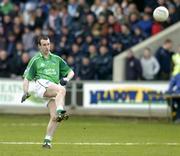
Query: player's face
45,46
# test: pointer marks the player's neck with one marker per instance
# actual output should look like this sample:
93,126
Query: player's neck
45,55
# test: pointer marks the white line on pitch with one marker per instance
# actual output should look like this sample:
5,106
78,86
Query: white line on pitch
37,124
22,124
96,143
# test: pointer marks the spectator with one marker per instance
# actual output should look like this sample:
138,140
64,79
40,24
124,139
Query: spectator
114,24
176,62
29,14
133,69
76,53
100,28
17,33
89,22
18,23
119,14
164,55
7,25
16,58
112,36
104,64
63,46
125,37
11,44
97,8
23,63
156,28
138,36
174,102
2,39
73,65
88,41
19,65
39,18
54,21
146,24
93,55
83,8
65,17
133,21
116,48
4,64
150,65
177,5
173,14
105,10
28,39
72,8
130,8
86,71
112,6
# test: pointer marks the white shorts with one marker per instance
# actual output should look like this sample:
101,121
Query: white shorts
41,86
38,88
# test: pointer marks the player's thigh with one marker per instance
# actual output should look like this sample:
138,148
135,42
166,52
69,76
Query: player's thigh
53,89
52,108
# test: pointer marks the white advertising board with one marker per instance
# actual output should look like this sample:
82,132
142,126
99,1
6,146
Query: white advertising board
128,95
11,92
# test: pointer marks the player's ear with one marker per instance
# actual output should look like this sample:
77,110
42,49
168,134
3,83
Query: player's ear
39,45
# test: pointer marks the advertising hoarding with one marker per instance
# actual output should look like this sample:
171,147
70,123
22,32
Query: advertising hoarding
112,95
11,92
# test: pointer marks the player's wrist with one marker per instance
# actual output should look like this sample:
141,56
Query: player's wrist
67,79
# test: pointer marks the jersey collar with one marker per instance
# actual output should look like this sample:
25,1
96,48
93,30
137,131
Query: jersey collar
49,56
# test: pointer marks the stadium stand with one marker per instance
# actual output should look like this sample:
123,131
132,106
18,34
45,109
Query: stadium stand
88,35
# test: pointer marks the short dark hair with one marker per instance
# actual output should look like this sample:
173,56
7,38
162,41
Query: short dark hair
42,37
167,41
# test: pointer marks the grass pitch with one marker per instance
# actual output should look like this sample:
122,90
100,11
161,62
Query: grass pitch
89,136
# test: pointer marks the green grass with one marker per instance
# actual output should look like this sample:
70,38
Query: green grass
89,130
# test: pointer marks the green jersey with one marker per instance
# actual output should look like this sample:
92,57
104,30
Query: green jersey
52,68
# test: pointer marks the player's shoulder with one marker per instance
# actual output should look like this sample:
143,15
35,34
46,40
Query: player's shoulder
56,56
36,56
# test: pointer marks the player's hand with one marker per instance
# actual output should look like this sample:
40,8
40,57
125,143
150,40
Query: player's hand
64,81
24,97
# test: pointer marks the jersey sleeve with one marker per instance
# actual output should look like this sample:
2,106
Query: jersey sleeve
29,73
64,68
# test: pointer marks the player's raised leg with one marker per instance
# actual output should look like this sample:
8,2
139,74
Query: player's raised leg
59,93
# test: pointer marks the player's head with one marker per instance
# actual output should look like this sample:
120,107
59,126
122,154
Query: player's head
44,44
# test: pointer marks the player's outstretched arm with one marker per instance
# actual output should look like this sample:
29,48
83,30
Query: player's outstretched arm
25,90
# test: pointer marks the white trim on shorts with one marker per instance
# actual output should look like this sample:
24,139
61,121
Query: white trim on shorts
38,88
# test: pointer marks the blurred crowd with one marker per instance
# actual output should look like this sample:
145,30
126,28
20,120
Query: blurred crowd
87,34
161,65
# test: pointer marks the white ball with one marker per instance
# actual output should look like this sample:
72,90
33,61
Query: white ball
161,14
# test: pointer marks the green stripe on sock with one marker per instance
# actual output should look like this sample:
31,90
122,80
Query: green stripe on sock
60,111
47,140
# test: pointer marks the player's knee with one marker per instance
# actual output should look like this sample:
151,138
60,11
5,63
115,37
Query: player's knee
62,91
